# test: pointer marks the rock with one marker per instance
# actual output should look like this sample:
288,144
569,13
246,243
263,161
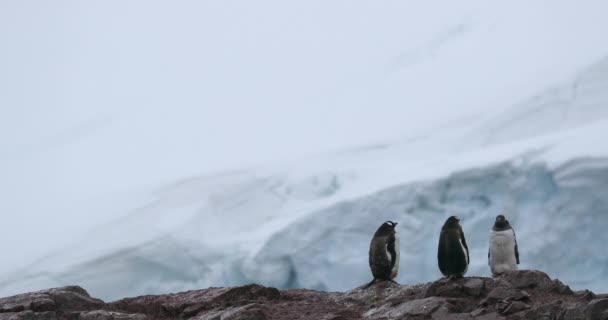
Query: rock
597,310
516,295
28,315
490,316
451,310
455,288
109,315
515,307
559,287
474,287
528,279
478,312
66,298
574,312
419,307
585,295
248,312
504,294
451,316
190,303
550,310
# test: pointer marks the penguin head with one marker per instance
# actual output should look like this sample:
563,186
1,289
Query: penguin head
386,229
391,224
451,223
501,223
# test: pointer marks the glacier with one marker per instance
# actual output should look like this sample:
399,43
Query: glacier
543,163
551,209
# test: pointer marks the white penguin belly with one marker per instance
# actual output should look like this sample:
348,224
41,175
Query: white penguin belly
466,256
395,269
502,251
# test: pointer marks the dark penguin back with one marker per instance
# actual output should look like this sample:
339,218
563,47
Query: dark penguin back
379,261
452,255
452,258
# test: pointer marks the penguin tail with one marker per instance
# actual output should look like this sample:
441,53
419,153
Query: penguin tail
370,284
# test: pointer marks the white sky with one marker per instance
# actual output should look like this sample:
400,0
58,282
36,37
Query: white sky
102,100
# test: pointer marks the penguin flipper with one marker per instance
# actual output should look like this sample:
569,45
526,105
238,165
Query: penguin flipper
516,249
489,254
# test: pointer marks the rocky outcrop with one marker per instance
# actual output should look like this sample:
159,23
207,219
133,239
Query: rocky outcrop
517,295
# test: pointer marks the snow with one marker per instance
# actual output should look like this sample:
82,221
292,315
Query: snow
304,224
535,155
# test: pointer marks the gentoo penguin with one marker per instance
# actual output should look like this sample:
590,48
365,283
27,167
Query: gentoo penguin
503,254
453,253
384,253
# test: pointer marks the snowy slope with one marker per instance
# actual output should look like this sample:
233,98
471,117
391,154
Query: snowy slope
93,114
542,162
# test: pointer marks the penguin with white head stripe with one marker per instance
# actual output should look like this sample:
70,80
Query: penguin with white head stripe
453,252
384,253
503,254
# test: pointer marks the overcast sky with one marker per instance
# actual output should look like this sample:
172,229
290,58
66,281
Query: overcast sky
101,101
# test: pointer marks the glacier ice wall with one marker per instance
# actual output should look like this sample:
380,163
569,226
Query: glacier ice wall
559,215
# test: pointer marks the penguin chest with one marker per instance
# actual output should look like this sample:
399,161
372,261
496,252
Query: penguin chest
502,251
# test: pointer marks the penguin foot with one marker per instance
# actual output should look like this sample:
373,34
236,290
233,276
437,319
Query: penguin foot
379,280
370,284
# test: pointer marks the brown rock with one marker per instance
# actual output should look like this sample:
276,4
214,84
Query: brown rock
248,312
6,315
561,288
474,287
597,310
574,311
504,294
454,288
109,315
73,298
460,299
515,307
528,279
585,295
451,310
190,303
419,307
478,312
550,310
58,299
28,315
491,316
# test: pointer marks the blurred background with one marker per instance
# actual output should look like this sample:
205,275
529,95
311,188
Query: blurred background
160,146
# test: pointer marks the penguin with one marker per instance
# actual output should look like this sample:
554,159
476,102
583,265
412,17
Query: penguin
453,253
503,254
384,253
